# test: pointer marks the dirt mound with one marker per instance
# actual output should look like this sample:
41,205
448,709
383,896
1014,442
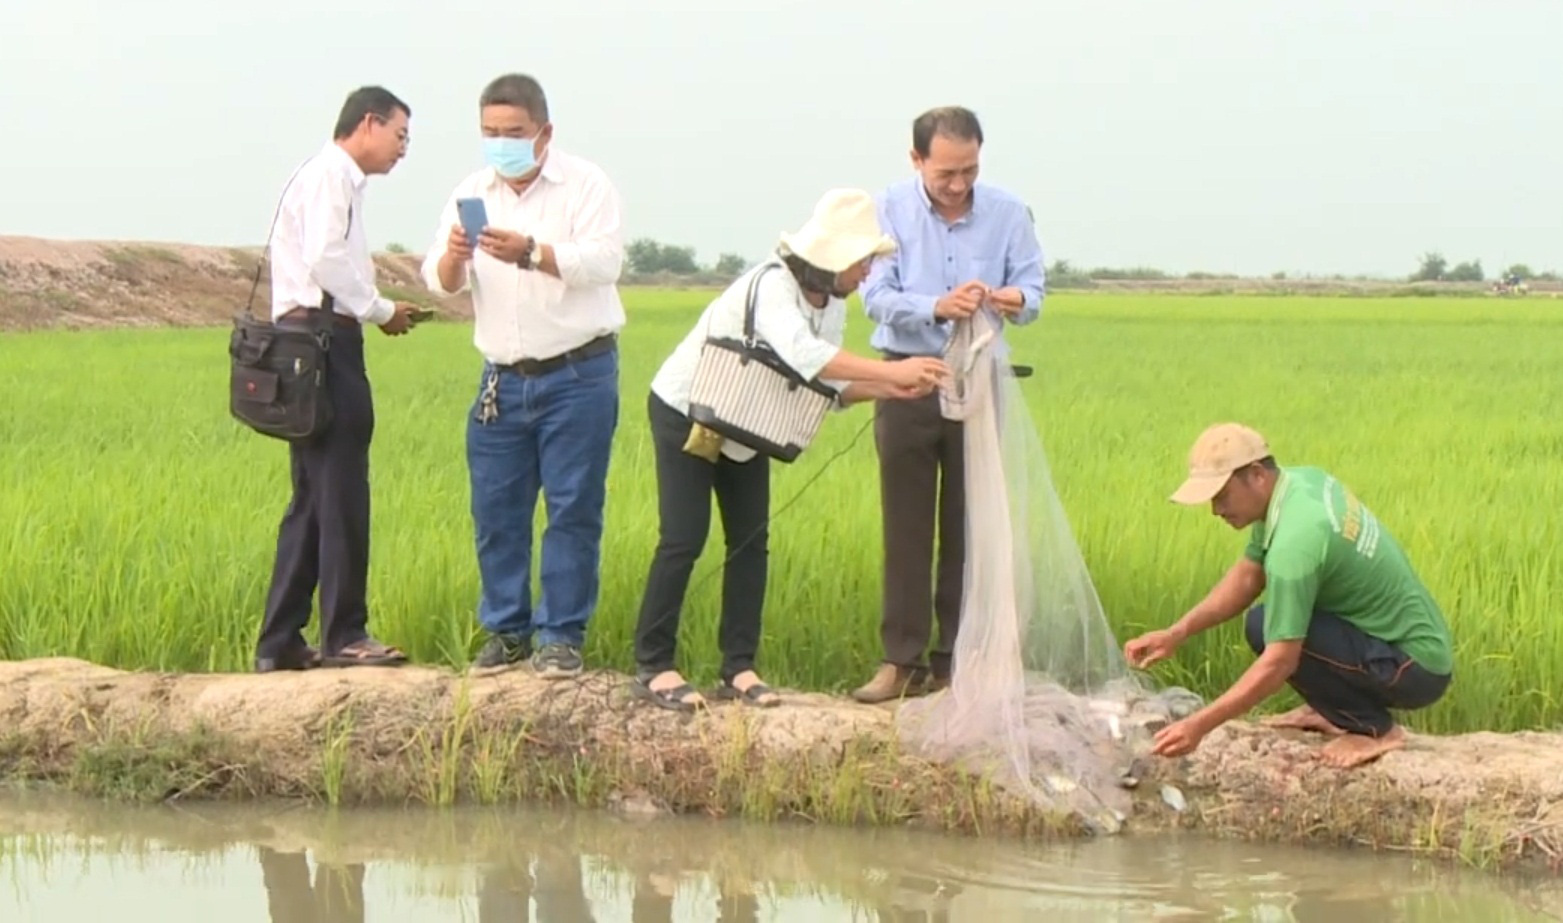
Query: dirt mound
426,735
48,284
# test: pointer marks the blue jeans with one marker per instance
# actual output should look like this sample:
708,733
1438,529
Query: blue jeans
553,432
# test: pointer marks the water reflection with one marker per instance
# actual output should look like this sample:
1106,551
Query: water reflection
553,877
68,860
337,895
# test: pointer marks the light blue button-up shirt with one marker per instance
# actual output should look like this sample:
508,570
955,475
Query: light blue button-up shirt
994,242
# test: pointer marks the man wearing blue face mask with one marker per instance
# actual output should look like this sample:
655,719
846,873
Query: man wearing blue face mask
543,279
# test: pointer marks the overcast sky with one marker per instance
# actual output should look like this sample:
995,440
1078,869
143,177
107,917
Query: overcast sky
1225,135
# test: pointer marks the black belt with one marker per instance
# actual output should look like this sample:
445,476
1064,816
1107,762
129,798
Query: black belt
531,368
301,315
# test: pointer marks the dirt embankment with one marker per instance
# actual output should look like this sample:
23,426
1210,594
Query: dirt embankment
69,284
425,735
74,284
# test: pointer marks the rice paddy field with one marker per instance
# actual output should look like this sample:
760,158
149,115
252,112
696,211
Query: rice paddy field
137,519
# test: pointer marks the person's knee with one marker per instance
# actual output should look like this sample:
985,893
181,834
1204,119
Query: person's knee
1418,689
681,539
752,542
1254,629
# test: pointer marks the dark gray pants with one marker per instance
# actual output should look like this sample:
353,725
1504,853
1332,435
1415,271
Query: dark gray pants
684,487
1350,677
324,536
921,482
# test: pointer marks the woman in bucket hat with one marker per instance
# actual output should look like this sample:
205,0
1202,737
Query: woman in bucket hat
800,312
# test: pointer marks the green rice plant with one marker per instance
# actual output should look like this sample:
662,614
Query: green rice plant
138,520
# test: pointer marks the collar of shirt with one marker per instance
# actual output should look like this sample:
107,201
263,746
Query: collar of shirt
1273,511
551,172
354,171
922,193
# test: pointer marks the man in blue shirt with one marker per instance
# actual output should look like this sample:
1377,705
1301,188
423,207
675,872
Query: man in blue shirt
961,246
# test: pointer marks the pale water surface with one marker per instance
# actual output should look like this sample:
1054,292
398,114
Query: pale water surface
70,860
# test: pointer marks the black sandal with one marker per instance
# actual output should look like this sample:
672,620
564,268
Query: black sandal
755,696
674,699
365,653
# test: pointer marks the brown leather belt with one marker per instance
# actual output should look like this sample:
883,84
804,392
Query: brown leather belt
304,315
531,368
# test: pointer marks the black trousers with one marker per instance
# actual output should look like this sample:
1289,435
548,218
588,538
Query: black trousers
684,487
1350,677
323,540
922,471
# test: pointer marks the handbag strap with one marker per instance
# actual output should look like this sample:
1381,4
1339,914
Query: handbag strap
327,302
751,298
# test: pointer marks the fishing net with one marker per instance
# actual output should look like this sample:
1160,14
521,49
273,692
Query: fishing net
1041,700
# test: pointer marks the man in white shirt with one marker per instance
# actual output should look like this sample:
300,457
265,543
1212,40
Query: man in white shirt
543,280
321,270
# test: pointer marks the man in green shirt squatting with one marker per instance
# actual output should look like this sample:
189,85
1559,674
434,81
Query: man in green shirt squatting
1346,621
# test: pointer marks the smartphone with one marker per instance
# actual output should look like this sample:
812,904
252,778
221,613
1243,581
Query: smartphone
474,218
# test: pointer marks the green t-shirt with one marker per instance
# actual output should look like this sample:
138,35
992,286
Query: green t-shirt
1322,550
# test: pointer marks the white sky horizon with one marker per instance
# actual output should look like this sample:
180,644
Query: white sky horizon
1221,135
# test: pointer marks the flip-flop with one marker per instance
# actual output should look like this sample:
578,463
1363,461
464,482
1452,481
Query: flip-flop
758,695
674,699
365,653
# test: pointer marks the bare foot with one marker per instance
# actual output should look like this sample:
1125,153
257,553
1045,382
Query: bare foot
1304,718
1352,750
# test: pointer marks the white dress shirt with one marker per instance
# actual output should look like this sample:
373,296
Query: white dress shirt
319,243
803,336
526,313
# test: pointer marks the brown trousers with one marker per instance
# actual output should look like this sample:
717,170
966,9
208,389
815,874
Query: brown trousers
916,446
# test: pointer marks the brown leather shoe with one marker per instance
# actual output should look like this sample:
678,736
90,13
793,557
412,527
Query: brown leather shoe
891,682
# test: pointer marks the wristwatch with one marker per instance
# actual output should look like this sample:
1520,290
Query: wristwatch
534,256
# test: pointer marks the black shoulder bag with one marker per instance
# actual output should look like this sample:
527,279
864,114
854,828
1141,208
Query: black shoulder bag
277,375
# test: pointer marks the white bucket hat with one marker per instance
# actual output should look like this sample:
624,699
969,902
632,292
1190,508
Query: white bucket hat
844,229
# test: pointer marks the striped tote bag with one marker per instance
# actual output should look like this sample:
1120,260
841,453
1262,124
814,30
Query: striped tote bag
743,390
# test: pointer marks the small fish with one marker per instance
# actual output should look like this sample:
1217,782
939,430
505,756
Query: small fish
1059,784
1173,798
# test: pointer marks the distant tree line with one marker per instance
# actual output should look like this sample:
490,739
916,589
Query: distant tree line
649,261
1434,268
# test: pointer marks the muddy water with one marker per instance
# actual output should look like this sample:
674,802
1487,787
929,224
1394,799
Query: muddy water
68,860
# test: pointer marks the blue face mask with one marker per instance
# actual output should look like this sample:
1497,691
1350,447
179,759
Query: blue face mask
511,157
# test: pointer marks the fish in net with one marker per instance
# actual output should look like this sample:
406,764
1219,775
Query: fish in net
1041,700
